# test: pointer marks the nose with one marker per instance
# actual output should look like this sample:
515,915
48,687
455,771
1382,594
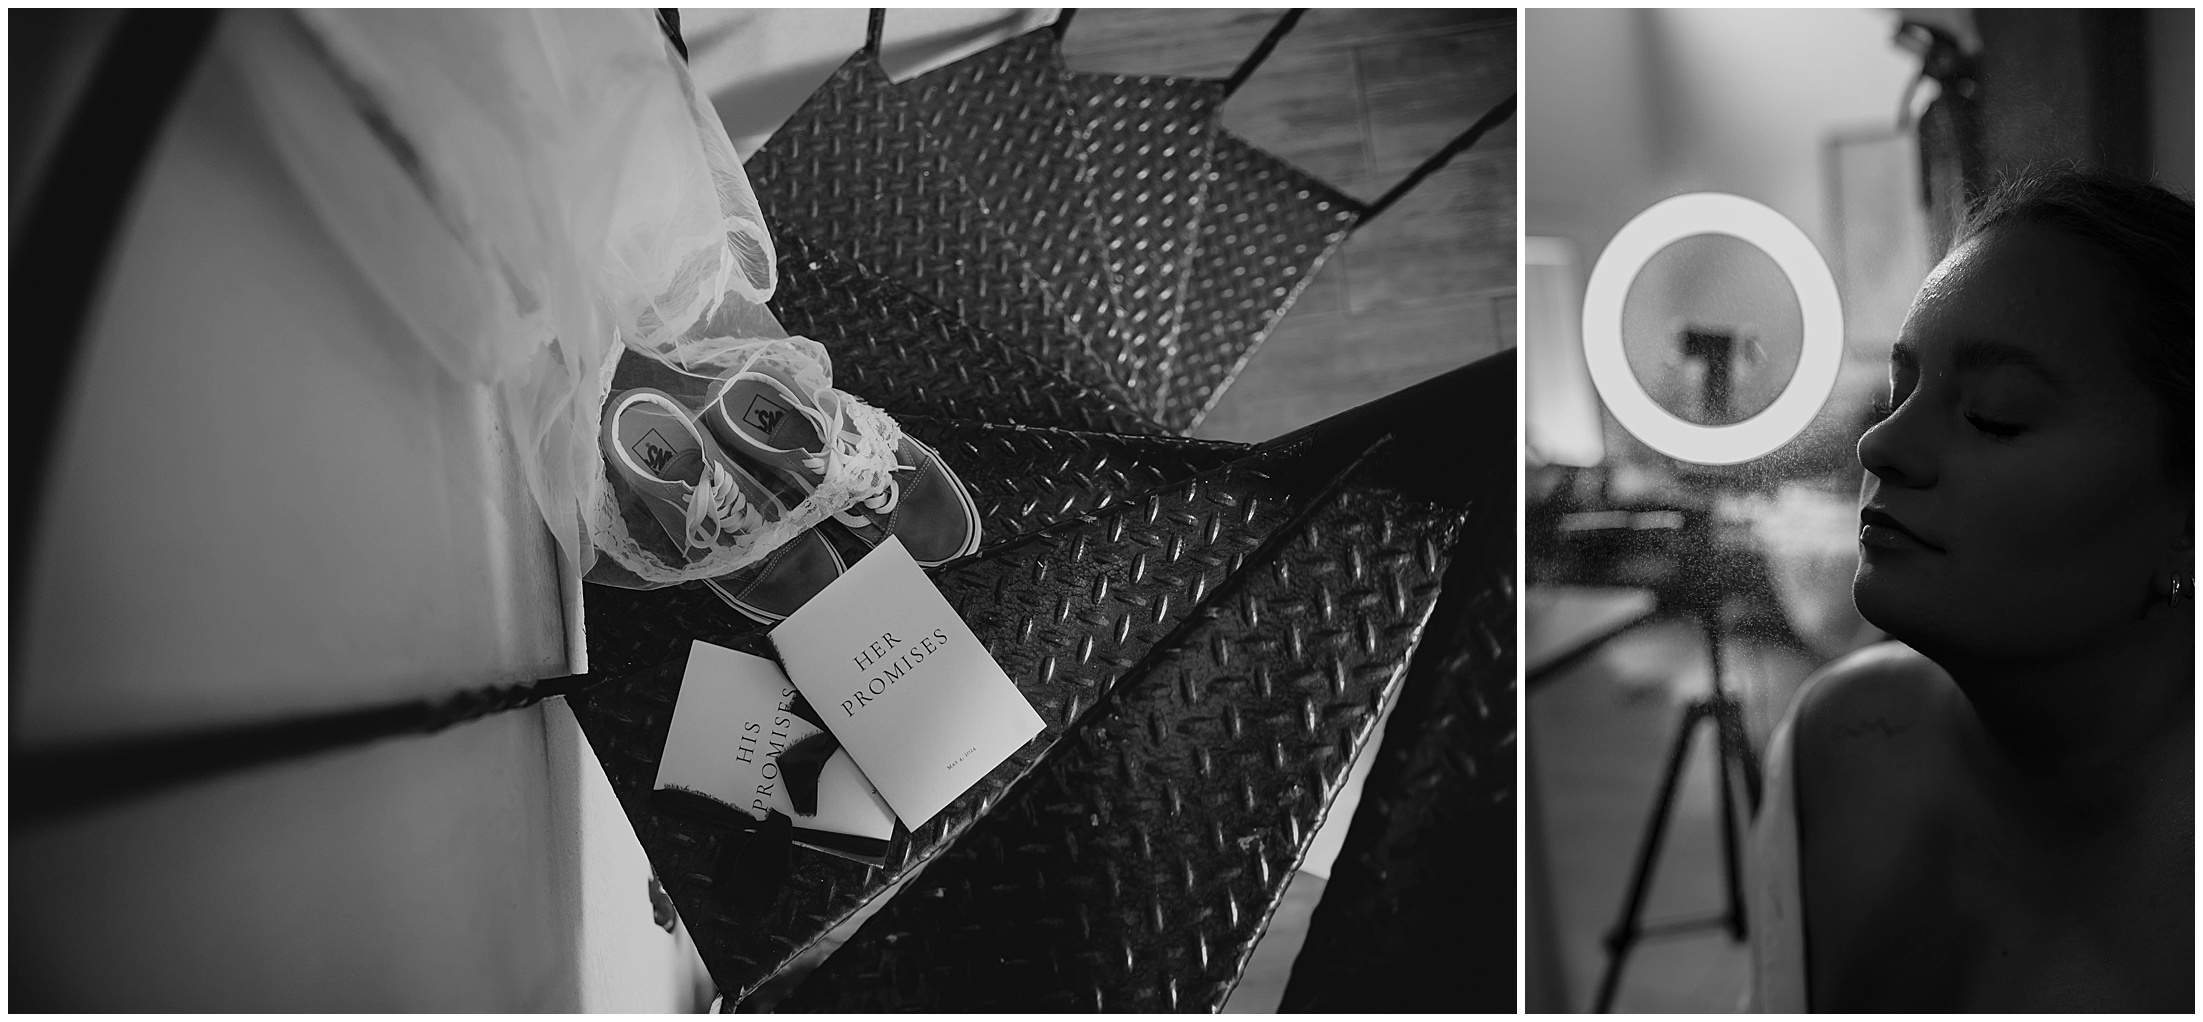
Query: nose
1898,452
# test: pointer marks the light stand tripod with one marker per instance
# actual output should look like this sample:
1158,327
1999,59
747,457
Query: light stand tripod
1732,745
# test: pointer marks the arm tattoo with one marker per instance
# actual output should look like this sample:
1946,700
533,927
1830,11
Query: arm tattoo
1881,724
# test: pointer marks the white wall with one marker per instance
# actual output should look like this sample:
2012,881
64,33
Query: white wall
417,874
266,499
270,502
1631,106
624,961
1623,108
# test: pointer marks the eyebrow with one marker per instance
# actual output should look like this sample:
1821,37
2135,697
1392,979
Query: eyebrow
1981,354
1977,354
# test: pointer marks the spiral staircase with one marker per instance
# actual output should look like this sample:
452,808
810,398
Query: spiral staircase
1051,276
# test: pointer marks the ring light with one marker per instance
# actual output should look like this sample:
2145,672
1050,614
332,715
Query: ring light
1820,352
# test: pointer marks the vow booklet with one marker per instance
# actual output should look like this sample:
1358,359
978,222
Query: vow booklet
730,725
909,691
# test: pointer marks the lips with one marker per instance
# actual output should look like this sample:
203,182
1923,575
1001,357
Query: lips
1879,528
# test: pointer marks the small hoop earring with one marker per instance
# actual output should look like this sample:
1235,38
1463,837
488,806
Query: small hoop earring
2183,590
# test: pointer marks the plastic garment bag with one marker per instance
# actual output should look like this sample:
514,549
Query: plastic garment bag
549,204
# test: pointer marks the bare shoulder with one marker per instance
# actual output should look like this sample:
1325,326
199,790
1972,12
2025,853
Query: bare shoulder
1868,730
1883,691
1870,754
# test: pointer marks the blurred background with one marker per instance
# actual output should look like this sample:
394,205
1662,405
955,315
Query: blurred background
1668,601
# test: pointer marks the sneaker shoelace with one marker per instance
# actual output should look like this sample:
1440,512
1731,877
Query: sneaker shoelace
878,502
716,507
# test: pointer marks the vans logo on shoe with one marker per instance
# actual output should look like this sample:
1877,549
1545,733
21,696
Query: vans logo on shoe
764,414
653,451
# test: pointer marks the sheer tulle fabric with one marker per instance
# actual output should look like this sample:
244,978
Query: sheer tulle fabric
549,204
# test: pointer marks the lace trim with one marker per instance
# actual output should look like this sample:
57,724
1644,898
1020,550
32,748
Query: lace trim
857,473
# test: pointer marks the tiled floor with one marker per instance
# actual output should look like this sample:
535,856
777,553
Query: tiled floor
1598,737
1357,98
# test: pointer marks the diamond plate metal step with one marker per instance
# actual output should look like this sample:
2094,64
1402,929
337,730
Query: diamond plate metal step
1136,868
1135,582
906,354
1108,223
1424,884
1023,480
1268,229
1147,138
1003,115
1066,610
854,174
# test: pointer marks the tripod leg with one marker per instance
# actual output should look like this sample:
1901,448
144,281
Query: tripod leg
1624,934
1740,746
1728,715
1733,746
1730,859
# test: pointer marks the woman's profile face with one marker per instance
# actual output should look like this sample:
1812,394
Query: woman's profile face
2016,503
